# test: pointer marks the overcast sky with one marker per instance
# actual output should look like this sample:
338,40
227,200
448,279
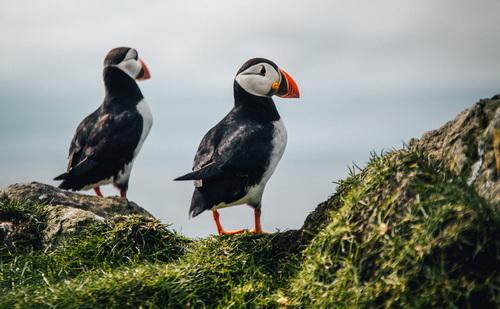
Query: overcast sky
372,74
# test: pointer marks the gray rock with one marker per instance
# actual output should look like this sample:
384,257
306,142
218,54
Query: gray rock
40,193
469,145
66,211
62,220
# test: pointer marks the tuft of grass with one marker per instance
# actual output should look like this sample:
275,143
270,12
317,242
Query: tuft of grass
28,221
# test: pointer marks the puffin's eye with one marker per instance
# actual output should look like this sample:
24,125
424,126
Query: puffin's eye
263,71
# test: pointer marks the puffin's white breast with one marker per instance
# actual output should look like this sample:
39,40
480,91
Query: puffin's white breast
147,123
279,144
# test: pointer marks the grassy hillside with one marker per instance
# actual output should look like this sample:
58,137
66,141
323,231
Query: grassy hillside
410,229
401,231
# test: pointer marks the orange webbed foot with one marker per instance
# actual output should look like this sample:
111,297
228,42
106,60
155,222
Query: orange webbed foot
233,232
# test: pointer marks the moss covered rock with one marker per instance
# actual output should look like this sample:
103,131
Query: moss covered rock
403,232
64,211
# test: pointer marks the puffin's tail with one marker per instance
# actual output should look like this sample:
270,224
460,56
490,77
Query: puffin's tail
68,182
63,176
65,184
77,177
198,204
210,170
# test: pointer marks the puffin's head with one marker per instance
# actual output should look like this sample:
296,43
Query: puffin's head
263,78
127,60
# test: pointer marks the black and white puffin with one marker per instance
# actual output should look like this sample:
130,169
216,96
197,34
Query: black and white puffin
237,157
107,141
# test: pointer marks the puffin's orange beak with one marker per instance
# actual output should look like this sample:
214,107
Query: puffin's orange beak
288,87
145,71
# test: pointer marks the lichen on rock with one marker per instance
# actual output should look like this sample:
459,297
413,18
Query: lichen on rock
62,220
35,192
469,145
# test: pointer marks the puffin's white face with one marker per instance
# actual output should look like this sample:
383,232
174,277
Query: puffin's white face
131,64
261,79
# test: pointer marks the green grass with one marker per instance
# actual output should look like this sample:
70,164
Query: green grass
226,270
402,232
406,234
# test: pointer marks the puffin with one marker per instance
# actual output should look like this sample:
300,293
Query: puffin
108,140
236,157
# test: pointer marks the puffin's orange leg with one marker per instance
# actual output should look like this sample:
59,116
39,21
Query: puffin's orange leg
98,191
258,226
220,229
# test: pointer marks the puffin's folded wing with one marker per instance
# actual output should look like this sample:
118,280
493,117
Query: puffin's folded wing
109,146
80,139
236,153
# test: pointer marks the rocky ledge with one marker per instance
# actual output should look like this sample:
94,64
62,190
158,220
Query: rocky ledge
65,211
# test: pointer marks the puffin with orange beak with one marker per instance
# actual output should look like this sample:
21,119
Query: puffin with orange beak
107,141
237,157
